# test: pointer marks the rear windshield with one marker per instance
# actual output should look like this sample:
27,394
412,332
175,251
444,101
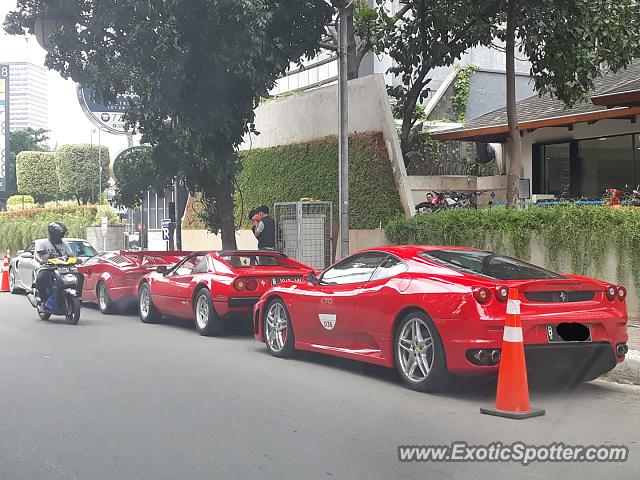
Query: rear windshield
248,261
487,264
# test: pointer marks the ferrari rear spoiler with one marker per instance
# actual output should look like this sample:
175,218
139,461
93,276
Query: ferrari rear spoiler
568,284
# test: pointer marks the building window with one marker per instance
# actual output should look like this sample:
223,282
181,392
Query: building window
586,168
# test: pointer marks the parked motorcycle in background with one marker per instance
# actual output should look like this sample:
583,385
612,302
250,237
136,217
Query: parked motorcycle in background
65,293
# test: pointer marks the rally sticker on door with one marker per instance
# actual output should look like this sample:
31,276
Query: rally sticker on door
328,320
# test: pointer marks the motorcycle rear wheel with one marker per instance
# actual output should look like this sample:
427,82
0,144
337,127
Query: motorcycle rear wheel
72,314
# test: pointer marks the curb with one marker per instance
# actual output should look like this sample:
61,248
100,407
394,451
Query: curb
627,371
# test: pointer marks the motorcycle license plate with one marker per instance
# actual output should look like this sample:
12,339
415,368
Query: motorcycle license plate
64,269
568,333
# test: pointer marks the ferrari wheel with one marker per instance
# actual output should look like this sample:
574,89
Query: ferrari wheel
105,304
208,323
278,334
12,281
419,354
148,313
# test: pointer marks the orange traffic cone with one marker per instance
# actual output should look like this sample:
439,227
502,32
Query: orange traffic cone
512,399
4,285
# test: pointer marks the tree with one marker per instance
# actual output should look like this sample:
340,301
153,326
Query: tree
37,176
79,172
136,173
436,33
23,140
195,70
569,45
366,26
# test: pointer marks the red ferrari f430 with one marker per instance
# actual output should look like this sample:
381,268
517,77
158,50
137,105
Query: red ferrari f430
434,311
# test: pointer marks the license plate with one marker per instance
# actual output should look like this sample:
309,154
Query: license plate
568,333
64,269
277,280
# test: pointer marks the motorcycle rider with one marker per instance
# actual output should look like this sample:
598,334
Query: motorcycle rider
52,247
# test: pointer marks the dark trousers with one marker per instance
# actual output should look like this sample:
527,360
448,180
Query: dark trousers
44,284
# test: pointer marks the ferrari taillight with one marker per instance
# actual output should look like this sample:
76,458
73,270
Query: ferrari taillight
242,284
502,294
481,294
622,293
612,292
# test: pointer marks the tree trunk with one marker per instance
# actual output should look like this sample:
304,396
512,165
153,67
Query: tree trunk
224,204
410,103
514,146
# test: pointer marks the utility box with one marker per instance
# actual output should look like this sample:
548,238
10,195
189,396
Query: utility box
303,231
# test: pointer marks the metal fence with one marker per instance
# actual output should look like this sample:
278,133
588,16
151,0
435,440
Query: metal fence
304,232
451,157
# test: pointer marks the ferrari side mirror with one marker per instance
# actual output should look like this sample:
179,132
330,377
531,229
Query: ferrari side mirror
312,278
162,269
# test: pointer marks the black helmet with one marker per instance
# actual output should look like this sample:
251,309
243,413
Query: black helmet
57,231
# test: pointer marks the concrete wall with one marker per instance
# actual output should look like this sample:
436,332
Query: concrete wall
314,114
203,240
113,241
421,185
488,91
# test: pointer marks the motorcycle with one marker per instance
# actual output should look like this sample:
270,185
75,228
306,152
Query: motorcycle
65,292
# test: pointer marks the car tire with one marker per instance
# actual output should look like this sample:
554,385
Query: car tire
146,309
278,331
208,322
105,304
12,282
419,353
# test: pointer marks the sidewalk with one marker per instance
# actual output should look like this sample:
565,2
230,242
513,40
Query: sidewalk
629,370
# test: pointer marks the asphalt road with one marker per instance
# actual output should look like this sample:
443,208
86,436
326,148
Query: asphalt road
112,398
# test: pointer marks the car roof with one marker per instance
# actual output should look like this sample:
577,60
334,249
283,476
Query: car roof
67,239
409,251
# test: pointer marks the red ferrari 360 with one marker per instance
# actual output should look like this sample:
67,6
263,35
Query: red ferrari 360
211,287
111,278
434,311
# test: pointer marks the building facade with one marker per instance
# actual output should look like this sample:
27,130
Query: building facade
28,96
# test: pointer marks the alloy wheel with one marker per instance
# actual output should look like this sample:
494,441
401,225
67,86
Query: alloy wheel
276,327
102,296
202,312
144,302
415,350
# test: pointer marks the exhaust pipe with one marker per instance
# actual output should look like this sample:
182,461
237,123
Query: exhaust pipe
622,349
495,356
482,356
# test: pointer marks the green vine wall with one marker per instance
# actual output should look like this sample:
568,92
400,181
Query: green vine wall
580,234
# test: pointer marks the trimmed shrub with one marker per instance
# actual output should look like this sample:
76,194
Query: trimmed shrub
20,202
78,172
37,175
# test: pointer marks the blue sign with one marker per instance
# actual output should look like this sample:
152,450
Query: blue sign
166,223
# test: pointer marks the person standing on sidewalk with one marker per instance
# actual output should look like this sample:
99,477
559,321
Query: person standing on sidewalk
266,230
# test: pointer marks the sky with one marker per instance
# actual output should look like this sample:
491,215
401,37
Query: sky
67,122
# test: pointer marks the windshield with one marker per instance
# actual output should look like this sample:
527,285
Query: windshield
490,265
82,249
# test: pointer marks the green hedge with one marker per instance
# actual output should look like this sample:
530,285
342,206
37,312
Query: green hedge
582,233
37,175
78,171
310,170
19,229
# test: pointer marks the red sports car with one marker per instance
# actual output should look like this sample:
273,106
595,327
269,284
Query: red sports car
112,278
432,311
211,287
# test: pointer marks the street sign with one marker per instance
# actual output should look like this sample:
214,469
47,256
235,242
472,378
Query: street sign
106,117
104,226
166,224
4,123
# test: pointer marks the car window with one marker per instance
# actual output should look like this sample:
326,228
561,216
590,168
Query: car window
188,266
203,266
247,261
487,264
82,249
390,267
355,269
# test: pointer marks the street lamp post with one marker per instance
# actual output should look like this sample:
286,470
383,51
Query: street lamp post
343,112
